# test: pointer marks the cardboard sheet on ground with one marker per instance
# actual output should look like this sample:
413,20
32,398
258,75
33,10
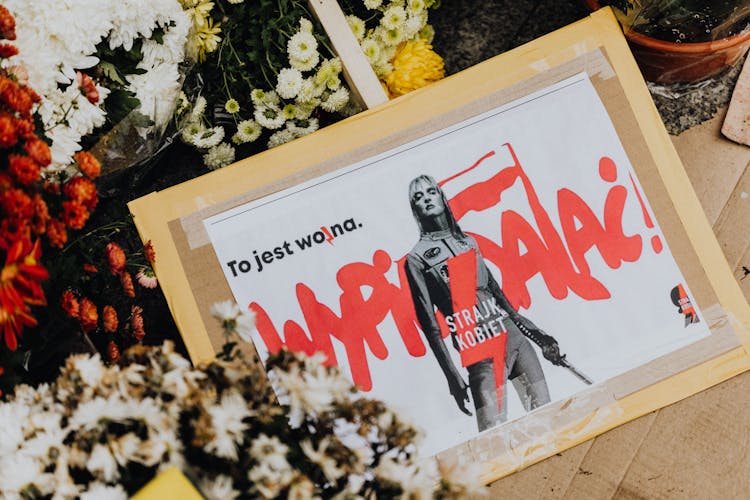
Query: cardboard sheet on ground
555,241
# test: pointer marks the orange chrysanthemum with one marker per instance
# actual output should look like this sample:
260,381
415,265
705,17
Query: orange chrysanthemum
88,164
7,50
25,127
75,214
20,287
7,24
113,351
90,268
127,284
109,319
41,215
24,169
15,97
115,258
52,187
136,323
69,303
12,230
82,190
149,252
8,131
87,87
57,235
38,150
16,203
88,316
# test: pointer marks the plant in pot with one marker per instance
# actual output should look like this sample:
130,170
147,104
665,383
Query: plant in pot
683,40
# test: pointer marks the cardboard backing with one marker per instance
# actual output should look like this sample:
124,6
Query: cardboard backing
192,280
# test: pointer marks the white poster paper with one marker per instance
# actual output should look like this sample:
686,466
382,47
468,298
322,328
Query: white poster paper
533,256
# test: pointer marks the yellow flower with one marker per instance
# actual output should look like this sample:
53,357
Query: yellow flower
207,39
414,65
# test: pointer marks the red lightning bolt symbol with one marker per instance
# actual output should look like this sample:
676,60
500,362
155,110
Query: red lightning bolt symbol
329,236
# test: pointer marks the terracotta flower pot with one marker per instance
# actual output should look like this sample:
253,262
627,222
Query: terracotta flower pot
668,62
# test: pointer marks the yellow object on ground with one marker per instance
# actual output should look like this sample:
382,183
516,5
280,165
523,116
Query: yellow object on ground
170,484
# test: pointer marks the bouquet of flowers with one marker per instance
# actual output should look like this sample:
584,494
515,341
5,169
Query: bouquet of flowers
269,74
115,63
395,37
107,430
35,213
271,78
47,195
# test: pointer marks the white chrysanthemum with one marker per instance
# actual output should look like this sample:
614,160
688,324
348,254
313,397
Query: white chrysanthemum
225,310
157,90
45,421
12,415
415,6
271,476
39,446
394,17
305,25
246,325
427,33
308,91
392,37
271,98
465,475
305,109
302,46
207,138
417,480
318,456
371,49
280,137
190,130
199,107
289,83
373,4
289,111
336,100
125,448
100,491
64,486
327,73
247,131
227,424
305,64
269,117
313,391
18,472
258,97
102,464
357,26
219,488
90,368
348,434
414,25
153,451
301,128
219,156
268,448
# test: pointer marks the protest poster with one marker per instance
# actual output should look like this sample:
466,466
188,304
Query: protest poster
585,270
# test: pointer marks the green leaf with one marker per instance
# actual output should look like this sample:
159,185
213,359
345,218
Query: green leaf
158,35
119,104
109,70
